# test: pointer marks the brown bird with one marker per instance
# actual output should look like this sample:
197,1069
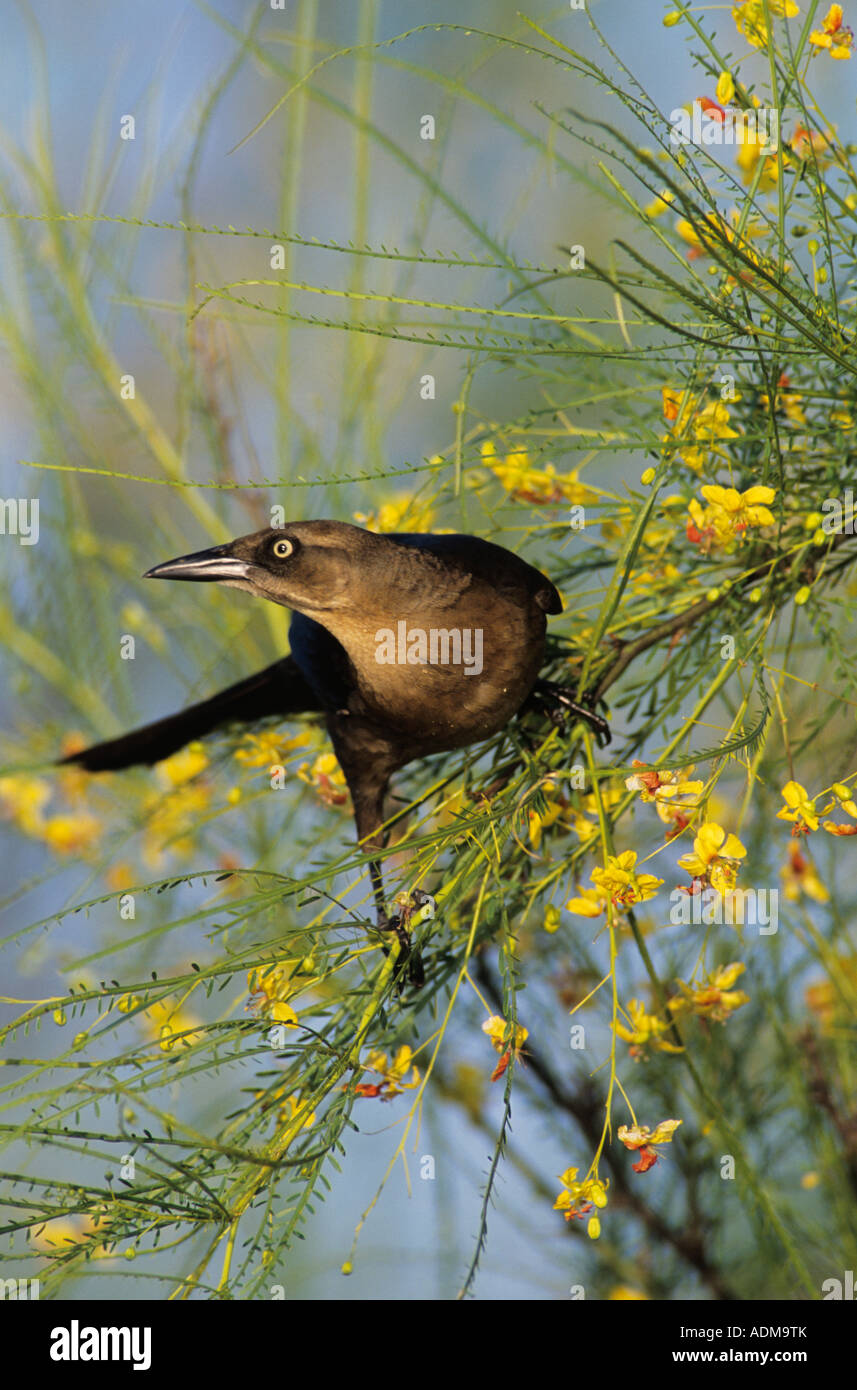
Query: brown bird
407,644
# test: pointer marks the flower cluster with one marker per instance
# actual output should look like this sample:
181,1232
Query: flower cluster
646,1031
728,516
751,18
617,884
713,998
391,1073
580,1197
703,427
526,483
833,37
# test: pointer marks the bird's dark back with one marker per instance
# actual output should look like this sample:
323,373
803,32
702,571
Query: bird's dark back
499,567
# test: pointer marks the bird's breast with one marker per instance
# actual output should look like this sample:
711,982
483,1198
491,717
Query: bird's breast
448,682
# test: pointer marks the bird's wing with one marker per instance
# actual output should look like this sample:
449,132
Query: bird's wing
494,564
278,690
322,661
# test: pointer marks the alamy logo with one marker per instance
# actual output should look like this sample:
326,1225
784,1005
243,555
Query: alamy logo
737,907
76,1343
435,646
19,516
839,515
706,123
19,1288
839,1288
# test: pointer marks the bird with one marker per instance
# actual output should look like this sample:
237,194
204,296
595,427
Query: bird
406,643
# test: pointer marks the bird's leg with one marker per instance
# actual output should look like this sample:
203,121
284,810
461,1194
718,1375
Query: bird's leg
559,703
369,814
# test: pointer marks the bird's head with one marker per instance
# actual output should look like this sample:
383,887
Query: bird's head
313,567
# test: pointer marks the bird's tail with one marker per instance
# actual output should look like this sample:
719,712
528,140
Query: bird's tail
278,690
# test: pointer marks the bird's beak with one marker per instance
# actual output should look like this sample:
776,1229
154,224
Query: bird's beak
215,564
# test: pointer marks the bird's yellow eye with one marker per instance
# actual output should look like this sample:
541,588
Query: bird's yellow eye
283,549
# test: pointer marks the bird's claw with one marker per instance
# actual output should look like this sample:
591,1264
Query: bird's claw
414,908
563,706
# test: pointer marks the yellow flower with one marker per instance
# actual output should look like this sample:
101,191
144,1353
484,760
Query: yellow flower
590,903
23,799
172,821
799,876
728,515
327,778
402,514
268,748
555,809
748,507
714,998
833,35
675,795
845,797
671,402
750,20
73,834
623,1293
714,853
659,204
526,483
725,90
578,1198
496,1028
714,230
750,150
183,766
171,1024
799,808
617,883
270,989
646,1029
702,429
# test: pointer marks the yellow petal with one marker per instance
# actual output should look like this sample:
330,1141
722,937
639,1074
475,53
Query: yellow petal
583,907
759,494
